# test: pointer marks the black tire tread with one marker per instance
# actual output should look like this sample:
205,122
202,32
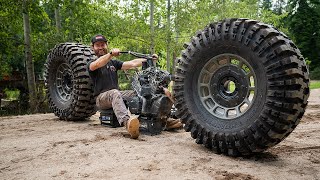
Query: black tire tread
287,87
77,56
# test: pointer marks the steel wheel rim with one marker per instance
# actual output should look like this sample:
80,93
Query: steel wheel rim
64,80
214,86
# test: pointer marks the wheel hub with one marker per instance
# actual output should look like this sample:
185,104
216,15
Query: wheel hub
229,86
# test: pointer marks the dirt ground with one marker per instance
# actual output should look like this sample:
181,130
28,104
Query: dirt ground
42,147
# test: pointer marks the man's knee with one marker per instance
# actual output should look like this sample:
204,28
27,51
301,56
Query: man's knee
115,93
106,99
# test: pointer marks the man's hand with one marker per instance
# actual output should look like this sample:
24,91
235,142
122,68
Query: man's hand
103,60
137,62
115,52
168,94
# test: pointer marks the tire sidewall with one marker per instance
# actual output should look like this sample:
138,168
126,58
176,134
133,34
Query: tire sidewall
199,60
77,103
56,61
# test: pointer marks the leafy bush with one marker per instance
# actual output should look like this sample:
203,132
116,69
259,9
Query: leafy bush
315,74
11,94
125,86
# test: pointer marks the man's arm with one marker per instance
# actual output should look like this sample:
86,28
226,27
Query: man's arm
103,60
132,64
136,62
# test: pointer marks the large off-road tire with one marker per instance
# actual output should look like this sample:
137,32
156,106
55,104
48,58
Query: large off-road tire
268,95
68,85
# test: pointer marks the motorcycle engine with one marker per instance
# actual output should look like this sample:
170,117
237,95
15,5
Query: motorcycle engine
151,103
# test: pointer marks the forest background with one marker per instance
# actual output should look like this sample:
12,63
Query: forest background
30,28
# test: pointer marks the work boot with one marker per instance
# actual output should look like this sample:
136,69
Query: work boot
132,126
173,124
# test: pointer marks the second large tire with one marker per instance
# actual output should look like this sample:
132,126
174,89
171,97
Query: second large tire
68,85
241,86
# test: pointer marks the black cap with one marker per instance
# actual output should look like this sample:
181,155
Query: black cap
97,38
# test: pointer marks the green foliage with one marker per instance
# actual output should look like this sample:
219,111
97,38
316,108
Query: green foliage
11,39
304,25
308,62
266,4
315,85
126,25
315,74
124,86
11,94
11,31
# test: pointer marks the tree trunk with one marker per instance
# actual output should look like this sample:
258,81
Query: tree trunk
57,18
152,26
176,22
28,56
168,35
174,55
71,26
176,33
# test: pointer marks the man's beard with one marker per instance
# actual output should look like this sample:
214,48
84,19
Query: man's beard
101,52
